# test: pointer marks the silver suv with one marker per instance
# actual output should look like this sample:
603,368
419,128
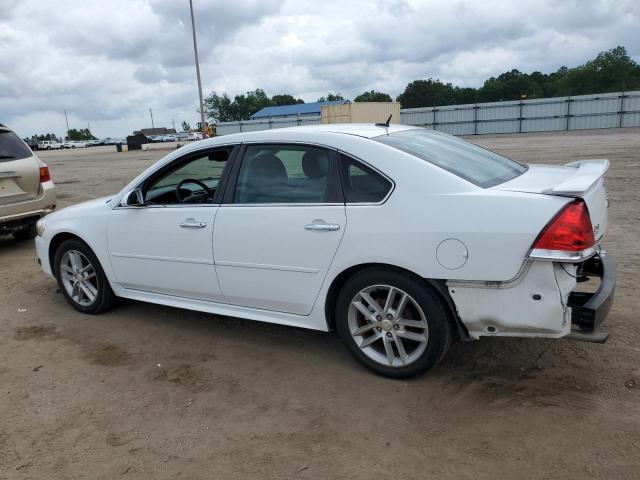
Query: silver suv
26,190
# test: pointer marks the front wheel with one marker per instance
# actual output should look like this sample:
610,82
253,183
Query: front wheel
392,322
81,278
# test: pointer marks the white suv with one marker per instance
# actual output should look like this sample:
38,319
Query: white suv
49,145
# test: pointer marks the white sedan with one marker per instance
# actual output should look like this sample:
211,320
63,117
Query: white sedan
402,239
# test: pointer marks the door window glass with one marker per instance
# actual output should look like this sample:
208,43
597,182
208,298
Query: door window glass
284,174
191,181
362,184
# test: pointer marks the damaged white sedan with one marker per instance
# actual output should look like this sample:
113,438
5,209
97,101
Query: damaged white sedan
400,238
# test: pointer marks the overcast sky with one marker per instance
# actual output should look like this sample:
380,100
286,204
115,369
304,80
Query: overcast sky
107,62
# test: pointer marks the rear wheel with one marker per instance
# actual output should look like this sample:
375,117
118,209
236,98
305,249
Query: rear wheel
81,278
392,322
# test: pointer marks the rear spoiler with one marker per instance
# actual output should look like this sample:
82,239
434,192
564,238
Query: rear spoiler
587,173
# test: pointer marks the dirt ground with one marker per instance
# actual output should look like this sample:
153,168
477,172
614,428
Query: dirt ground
147,391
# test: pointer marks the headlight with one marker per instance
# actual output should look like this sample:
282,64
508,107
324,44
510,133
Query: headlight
40,226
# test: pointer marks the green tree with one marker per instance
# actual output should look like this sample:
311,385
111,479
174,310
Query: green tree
220,108
42,137
427,93
251,102
610,71
331,97
373,96
285,99
80,134
186,126
512,85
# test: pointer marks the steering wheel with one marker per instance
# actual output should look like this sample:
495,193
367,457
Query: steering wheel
192,198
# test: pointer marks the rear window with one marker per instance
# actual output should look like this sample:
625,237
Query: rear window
466,160
12,148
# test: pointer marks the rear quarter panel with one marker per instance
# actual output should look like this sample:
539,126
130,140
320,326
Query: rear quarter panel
430,205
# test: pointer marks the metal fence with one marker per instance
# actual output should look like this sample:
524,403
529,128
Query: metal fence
605,110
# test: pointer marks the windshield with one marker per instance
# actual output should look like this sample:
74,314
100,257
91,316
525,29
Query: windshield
11,147
475,164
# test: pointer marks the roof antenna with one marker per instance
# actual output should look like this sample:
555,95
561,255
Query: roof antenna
385,124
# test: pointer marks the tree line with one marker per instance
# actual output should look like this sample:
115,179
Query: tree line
72,134
610,71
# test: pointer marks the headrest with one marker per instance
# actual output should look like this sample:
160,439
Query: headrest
315,164
266,166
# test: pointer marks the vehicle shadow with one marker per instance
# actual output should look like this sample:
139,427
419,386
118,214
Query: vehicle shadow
9,245
535,371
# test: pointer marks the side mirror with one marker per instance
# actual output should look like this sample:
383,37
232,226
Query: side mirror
133,199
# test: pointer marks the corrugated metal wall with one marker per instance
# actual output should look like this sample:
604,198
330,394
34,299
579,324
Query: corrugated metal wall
604,110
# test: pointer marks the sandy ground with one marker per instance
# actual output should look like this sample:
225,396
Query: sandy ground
153,392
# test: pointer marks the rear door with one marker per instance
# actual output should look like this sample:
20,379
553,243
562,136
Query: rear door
19,169
279,227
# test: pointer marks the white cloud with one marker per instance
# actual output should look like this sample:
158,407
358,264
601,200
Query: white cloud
108,62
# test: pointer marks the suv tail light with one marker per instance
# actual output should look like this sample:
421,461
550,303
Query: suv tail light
568,237
45,176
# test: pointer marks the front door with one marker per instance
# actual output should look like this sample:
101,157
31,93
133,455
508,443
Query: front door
165,245
279,228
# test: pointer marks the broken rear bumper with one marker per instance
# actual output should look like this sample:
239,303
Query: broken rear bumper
588,310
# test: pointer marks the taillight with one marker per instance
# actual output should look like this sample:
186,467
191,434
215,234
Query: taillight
45,176
568,237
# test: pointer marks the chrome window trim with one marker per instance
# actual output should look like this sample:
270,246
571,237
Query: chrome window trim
244,205
170,205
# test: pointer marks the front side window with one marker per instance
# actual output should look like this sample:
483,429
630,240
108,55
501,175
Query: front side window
12,148
360,183
286,174
464,159
194,180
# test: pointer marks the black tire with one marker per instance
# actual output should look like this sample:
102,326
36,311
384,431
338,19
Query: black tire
435,312
25,233
105,298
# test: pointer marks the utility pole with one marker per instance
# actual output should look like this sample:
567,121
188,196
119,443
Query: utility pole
67,122
173,122
195,51
152,125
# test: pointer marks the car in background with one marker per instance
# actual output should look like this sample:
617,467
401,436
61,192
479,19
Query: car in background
49,145
27,192
195,136
74,144
182,136
93,143
401,238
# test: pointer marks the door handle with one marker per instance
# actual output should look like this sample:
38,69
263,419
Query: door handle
191,223
326,227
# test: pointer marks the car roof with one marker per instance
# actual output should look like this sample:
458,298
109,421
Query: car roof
363,130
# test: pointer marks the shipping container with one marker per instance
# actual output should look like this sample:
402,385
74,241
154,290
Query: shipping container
361,112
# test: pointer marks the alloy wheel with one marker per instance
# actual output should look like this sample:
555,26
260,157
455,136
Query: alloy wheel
79,278
388,325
